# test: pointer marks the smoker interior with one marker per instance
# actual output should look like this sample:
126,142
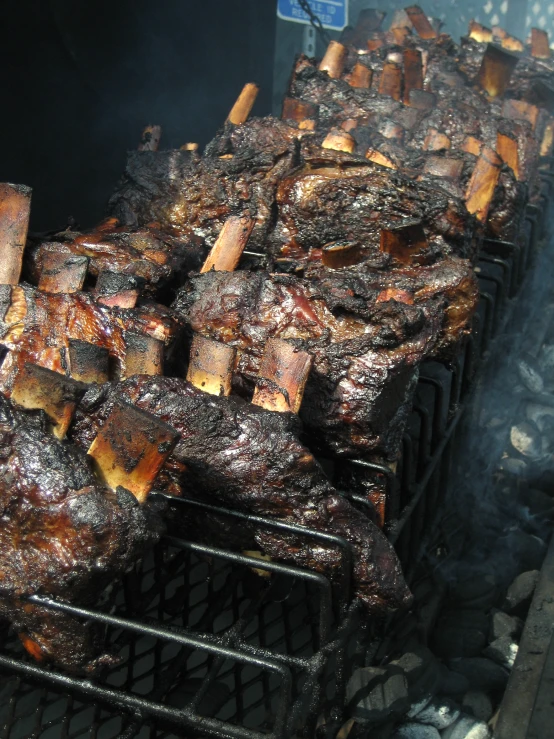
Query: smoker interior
218,643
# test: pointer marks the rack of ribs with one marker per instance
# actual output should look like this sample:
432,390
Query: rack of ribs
248,457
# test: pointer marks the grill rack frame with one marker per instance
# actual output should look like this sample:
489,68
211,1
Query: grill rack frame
415,489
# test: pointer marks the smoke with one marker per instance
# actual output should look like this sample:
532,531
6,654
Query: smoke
492,519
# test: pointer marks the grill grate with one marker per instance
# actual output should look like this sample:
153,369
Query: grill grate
210,648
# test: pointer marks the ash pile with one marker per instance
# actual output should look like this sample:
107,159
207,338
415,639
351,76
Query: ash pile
243,332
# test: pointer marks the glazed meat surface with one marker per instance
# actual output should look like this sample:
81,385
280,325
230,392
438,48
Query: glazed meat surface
157,259
194,196
37,326
366,346
249,458
62,535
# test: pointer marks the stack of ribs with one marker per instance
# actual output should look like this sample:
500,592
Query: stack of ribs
307,265
248,456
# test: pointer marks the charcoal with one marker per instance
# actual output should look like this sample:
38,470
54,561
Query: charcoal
422,671
460,633
478,704
503,651
481,672
529,373
478,591
527,551
452,683
439,713
467,727
504,625
413,730
376,694
527,439
520,593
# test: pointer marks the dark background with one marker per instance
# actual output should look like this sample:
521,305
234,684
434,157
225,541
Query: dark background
81,79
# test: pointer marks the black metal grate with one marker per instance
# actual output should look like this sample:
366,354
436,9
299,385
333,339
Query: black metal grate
208,646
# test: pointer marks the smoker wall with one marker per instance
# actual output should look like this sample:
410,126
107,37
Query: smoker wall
81,78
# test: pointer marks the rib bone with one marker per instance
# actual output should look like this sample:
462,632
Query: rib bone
144,355
405,242
482,184
62,273
413,72
88,362
15,207
38,388
496,69
333,60
150,139
243,105
211,366
540,48
283,375
131,448
229,245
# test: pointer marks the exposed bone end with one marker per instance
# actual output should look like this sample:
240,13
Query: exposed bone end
14,317
130,449
422,100
244,104
521,111
547,140
444,167
333,60
496,69
360,76
420,22
540,46
377,158
507,150
406,242
88,362
369,21
436,141
38,388
400,19
298,110
150,140
211,366
511,43
283,375
471,145
116,290
400,35
229,245
339,140
479,33
62,273
413,72
391,81
15,208
350,124
144,355
482,184
341,254
189,146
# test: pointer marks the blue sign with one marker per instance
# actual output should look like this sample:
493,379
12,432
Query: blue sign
333,14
